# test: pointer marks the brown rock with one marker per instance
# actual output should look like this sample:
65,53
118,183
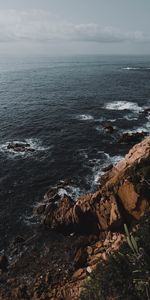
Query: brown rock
79,274
121,191
89,250
19,293
94,259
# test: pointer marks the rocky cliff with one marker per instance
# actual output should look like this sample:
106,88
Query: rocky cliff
123,196
54,262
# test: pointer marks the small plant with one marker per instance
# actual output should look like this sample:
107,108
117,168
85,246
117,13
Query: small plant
142,279
131,241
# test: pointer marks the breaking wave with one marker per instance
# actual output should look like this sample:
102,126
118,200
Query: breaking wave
123,105
84,117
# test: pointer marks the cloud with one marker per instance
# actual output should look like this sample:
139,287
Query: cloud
42,26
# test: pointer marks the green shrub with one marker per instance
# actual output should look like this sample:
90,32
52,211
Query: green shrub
126,276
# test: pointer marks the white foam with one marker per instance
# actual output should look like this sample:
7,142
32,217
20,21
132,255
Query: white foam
136,68
99,165
85,117
148,117
122,105
116,158
130,117
71,191
131,68
138,129
36,144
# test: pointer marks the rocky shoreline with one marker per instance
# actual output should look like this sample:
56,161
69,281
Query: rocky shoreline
73,237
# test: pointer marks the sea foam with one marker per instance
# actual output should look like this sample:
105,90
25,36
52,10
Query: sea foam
85,117
122,105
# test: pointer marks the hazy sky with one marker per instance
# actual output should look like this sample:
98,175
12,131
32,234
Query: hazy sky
75,26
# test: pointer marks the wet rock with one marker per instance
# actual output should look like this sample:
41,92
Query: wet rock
19,239
40,209
3,263
108,127
146,111
108,168
20,147
133,137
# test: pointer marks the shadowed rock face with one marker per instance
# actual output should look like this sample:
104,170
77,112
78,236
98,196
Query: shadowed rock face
123,196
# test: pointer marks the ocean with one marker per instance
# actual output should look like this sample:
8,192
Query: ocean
58,106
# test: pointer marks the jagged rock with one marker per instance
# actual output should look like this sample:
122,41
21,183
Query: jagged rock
133,137
40,209
124,195
146,110
79,274
108,168
20,147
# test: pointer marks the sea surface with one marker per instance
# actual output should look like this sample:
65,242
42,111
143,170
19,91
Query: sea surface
58,105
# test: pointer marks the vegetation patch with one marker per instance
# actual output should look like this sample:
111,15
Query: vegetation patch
126,276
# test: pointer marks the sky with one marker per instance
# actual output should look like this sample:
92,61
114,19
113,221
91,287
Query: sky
66,27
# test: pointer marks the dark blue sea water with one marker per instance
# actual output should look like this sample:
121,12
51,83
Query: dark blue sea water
58,106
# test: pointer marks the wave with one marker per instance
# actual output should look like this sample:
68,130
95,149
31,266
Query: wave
131,68
135,68
72,191
123,105
84,117
116,158
130,117
143,128
99,165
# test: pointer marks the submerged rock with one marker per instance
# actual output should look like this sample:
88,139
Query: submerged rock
108,127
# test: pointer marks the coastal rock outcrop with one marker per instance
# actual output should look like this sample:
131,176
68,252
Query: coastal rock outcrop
132,137
52,265
20,147
123,196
